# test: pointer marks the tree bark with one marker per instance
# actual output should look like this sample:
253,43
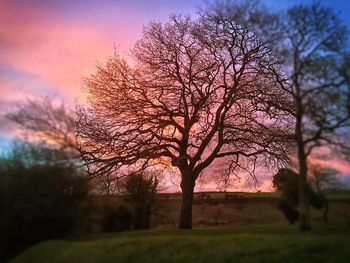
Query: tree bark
187,187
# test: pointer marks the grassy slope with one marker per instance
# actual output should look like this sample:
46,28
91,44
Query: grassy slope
250,243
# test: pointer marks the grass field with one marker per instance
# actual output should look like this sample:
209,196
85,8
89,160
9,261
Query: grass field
251,243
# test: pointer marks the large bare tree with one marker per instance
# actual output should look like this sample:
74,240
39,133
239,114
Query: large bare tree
198,90
311,43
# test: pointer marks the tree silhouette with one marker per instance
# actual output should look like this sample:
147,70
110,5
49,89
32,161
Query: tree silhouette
319,80
198,90
311,43
42,121
141,190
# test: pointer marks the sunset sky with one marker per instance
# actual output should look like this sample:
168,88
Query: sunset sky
48,47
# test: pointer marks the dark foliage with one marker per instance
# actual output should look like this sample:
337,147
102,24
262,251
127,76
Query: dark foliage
287,181
288,211
141,192
41,198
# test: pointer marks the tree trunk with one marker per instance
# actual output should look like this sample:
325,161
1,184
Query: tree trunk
304,195
187,187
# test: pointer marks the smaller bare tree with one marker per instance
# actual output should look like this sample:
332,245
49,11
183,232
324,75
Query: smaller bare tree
140,190
42,121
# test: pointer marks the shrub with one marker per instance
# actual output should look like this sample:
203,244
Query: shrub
286,181
42,198
140,190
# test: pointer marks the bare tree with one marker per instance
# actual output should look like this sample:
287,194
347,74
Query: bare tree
42,121
141,190
310,41
318,78
199,90
263,21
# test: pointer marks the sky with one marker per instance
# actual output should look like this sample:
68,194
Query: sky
49,47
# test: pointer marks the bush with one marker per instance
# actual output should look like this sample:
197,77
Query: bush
41,198
140,190
290,213
286,181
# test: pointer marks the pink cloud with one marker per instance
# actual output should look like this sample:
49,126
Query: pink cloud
59,50
341,166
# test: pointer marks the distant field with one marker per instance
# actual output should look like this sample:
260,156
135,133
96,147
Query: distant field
213,208
235,208
220,195
345,195
327,243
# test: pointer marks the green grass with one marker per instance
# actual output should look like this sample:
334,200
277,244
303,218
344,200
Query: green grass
246,243
252,229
